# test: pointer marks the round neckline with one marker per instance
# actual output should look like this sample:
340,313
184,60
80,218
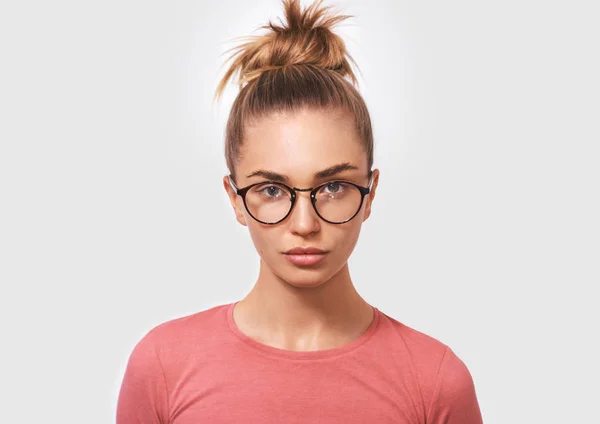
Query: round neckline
303,355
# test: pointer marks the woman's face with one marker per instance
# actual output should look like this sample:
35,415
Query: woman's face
298,145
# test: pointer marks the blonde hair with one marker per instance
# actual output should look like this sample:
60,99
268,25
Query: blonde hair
300,63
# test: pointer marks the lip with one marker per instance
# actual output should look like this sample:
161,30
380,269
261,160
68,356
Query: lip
305,251
305,256
305,259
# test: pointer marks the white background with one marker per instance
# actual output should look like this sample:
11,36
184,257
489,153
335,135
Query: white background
484,232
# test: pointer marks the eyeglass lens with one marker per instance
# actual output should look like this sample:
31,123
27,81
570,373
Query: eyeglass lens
336,201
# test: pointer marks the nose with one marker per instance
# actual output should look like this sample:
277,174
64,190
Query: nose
304,219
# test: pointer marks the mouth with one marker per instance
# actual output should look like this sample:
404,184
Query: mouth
306,259
310,250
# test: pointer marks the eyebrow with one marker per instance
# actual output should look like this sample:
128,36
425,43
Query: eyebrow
325,173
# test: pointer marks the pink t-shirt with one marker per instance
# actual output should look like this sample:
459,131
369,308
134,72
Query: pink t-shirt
202,369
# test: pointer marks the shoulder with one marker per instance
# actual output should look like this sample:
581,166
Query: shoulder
453,378
177,333
444,379
424,351
427,352
144,394
454,399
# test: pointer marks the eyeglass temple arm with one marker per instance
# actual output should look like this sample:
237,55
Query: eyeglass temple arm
231,184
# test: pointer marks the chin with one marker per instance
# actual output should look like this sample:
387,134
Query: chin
304,282
306,277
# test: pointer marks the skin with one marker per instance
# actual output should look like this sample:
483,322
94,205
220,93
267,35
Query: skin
291,307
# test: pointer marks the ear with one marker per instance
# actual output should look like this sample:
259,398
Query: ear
236,202
371,196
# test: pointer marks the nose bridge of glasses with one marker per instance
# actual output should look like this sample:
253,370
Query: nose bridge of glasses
297,190
300,193
304,192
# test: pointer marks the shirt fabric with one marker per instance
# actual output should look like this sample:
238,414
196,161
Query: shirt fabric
202,369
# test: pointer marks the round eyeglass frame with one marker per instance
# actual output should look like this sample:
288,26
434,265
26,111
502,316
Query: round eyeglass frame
313,196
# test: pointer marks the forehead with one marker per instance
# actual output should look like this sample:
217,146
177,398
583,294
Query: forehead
301,143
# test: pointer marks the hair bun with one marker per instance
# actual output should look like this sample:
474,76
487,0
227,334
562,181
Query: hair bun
306,38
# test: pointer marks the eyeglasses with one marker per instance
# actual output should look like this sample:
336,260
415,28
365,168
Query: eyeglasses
335,202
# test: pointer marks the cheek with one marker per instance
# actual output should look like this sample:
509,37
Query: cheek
265,239
348,239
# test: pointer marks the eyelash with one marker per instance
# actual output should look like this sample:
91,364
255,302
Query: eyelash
269,184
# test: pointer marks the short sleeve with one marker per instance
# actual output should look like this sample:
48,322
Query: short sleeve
143,393
454,399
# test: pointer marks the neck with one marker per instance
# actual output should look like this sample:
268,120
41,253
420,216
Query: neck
303,316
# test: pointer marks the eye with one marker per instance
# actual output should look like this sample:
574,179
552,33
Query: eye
334,188
271,191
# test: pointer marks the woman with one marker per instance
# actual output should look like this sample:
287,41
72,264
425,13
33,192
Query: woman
303,346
